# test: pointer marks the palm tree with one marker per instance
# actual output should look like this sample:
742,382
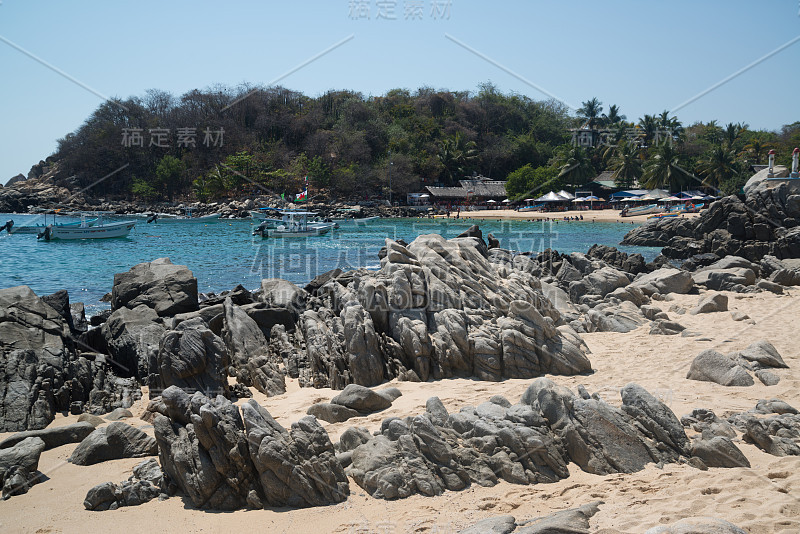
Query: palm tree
626,164
663,168
756,147
648,125
456,154
590,111
575,166
732,133
718,166
713,133
612,118
671,126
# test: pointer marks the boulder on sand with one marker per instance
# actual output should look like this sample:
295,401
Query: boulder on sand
115,441
712,366
665,280
713,302
19,466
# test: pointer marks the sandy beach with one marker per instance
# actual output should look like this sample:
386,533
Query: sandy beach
588,215
761,499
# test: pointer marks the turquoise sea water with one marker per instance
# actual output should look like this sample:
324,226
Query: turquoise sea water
223,253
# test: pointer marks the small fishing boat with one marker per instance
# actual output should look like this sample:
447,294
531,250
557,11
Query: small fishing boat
641,210
38,228
100,230
664,215
295,224
190,216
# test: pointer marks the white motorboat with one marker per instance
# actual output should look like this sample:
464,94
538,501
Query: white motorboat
295,224
100,230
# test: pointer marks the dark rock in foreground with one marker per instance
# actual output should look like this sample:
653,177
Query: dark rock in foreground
527,443
112,442
19,466
225,460
146,483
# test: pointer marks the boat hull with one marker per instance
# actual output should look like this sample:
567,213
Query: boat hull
310,232
103,231
38,228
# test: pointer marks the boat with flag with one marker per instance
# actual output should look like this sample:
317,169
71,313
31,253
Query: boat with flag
294,223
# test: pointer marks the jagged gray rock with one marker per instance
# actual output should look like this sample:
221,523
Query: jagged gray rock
202,447
132,336
297,468
146,483
572,521
251,361
719,451
191,357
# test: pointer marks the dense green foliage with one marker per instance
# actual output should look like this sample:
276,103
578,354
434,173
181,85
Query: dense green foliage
251,140
272,138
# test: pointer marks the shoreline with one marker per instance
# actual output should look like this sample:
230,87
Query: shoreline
588,216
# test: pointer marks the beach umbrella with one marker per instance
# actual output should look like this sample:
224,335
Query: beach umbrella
424,196
506,201
566,195
530,200
491,201
698,197
579,199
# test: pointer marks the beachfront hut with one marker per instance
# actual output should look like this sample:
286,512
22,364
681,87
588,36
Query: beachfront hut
551,197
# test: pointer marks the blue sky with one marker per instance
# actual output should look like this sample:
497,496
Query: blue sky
644,56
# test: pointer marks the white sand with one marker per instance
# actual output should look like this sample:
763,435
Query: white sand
761,499
588,216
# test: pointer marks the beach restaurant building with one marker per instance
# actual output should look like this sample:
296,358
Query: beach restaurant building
476,190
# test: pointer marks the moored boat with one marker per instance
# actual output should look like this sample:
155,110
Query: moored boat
100,230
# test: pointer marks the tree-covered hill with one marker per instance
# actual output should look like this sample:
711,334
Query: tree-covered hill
223,141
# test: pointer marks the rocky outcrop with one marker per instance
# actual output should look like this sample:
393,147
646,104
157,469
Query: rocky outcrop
530,442
40,371
765,224
166,288
251,362
132,338
713,366
34,351
225,460
296,468
436,309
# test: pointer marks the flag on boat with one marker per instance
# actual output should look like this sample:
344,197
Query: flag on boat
300,197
